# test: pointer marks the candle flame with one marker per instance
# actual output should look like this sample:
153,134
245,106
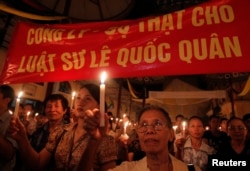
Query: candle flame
184,124
103,77
10,112
175,127
20,94
73,94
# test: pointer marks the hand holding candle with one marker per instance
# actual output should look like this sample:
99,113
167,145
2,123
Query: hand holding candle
102,99
17,103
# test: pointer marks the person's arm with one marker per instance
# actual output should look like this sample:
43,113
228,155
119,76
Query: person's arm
7,150
29,156
179,143
88,157
92,120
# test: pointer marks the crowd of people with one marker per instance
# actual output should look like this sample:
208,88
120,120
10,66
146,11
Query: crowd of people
49,142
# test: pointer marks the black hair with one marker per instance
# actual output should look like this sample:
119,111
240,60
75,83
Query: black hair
195,117
179,116
94,90
223,119
157,108
235,118
216,110
54,97
29,104
109,113
7,92
246,117
213,116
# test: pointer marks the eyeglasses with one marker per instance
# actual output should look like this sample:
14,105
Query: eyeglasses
157,126
239,128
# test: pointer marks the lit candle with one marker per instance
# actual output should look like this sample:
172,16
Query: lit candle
207,128
17,103
28,114
102,99
125,135
175,127
72,99
183,128
125,127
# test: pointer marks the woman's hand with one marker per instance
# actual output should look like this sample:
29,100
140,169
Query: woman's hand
92,122
180,143
17,130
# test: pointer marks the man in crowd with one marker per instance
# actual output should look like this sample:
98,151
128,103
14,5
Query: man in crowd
7,145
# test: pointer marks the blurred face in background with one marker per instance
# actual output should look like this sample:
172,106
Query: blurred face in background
223,124
196,128
28,110
179,121
214,123
3,103
247,123
237,130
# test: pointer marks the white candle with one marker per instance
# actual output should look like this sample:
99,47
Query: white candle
183,128
72,99
28,114
17,103
102,99
125,127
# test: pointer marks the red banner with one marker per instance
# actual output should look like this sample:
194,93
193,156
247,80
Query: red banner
211,37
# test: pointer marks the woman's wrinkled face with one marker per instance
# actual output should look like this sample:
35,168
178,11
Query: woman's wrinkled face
85,101
153,132
237,130
54,110
196,128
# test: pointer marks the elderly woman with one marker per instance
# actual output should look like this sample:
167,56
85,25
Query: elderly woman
155,134
67,143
